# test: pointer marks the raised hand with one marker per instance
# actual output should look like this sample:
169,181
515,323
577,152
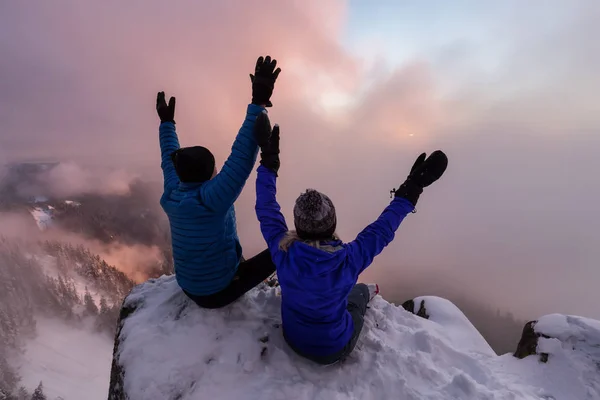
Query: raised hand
263,80
424,172
268,140
262,129
166,113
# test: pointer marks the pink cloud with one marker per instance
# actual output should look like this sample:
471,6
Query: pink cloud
81,79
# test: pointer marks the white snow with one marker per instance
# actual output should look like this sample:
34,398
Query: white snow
173,349
72,363
42,217
449,321
72,203
566,327
48,264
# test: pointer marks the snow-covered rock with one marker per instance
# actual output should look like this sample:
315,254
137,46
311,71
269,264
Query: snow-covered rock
451,322
168,348
569,343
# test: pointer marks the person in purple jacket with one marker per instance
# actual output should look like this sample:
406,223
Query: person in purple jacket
323,307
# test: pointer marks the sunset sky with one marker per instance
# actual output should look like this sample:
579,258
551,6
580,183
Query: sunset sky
509,90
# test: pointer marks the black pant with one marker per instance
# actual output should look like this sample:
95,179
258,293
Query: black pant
358,298
249,274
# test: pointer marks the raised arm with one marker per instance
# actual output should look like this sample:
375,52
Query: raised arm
272,222
168,139
375,237
223,190
268,211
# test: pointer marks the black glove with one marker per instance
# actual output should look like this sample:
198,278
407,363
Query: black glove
165,112
263,80
262,129
268,140
423,173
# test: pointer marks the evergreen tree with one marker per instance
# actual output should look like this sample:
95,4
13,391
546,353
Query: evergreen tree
8,377
38,393
23,394
103,306
89,304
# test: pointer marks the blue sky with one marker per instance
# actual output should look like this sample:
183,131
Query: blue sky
409,29
506,50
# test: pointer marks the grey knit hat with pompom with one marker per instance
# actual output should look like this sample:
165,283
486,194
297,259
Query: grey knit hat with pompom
314,216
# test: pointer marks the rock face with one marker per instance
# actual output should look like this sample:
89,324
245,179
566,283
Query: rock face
117,373
529,341
409,305
168,348
551,334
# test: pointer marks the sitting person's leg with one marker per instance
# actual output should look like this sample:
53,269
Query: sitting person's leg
358,298
250,273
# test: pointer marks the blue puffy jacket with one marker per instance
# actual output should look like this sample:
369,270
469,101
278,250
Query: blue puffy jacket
206,248
315,282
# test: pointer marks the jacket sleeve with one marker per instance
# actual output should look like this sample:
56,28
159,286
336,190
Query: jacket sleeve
168,144
222,191
375,237
268,211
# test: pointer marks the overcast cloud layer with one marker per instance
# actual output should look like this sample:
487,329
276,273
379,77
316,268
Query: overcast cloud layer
516,216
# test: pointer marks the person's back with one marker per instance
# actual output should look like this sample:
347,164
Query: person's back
322,306
316,282
206,248
207,255
318,276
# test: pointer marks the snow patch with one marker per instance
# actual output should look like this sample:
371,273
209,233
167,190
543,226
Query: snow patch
170,348
449,321
566,327
42,217
48,264
72,363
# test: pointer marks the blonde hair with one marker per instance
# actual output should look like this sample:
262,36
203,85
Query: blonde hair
292,236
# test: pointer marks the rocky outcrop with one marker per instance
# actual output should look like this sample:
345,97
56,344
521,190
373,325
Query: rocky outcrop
409,305
529,342
117,373
166,347
450,321
555,332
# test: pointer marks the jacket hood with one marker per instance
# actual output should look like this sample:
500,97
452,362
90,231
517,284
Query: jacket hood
312,261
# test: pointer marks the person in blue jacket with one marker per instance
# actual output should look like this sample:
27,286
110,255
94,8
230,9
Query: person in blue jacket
322,307
198,201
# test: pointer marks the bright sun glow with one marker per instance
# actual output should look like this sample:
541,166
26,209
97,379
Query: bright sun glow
335,101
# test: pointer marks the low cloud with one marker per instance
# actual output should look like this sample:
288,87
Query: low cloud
134,260
515,211
69,179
